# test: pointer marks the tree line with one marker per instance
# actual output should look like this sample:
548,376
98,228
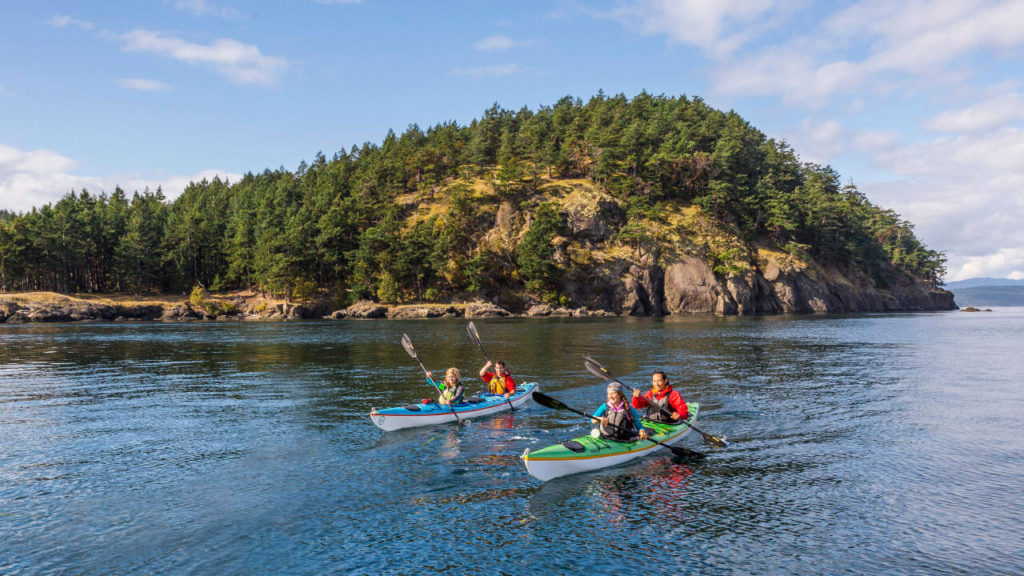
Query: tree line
337,224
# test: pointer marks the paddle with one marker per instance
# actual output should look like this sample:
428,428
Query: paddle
475,336
545,400
600,371
407,344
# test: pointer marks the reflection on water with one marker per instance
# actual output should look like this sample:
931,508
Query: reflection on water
863,444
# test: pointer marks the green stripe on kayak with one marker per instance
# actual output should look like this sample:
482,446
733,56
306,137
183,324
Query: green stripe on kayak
602,448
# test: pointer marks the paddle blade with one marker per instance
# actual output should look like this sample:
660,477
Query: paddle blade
714,440
686,453
597,369
407,344
548,401
475,337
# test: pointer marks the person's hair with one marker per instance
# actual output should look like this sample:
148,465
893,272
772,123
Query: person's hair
502,362
453,370
663,376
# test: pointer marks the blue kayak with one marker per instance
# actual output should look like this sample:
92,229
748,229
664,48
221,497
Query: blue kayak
433,413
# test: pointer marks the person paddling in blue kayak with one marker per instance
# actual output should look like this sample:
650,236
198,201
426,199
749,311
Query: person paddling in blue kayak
500,380
618,420
662,402
451,389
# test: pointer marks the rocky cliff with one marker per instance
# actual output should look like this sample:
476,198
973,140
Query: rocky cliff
688,285
685,263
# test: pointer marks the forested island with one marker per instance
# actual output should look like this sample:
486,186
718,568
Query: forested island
653,205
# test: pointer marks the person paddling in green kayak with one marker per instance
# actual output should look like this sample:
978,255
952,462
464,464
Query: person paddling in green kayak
451,389
618,420
500,380
662,402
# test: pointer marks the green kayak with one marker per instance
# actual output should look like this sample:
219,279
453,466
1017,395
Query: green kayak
586,453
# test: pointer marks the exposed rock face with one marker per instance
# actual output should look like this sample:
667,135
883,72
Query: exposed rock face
57,308
691,287
535,311
180,313
425,311
644,285
67,310
485,310
366,309
687,285
589,214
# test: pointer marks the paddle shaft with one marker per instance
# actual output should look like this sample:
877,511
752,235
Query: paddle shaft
407,344
545,400
475,337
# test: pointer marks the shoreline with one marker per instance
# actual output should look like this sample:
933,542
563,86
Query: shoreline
248,306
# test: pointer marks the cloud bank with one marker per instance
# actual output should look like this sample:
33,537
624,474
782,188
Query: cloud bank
36,177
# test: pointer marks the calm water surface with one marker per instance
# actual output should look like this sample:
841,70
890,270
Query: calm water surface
874,444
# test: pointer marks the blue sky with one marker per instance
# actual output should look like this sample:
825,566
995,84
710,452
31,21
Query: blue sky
918,103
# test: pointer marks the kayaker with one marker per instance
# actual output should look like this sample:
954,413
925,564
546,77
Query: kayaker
451,389
662,402
619,421
500,380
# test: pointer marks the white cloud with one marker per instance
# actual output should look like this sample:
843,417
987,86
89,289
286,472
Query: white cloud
13,160
240,63
495,43
886,42
33,178
822,141
819,141
912,35
203,8
63,21
486,71
965,195
992,113
1005,262
719,27
142,84
873,141
173,186
788,71
998,152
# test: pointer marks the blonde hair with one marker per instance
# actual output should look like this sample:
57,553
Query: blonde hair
455,371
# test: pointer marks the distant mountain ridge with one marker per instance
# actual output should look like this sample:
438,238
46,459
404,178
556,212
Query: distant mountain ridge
975,282
989,296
